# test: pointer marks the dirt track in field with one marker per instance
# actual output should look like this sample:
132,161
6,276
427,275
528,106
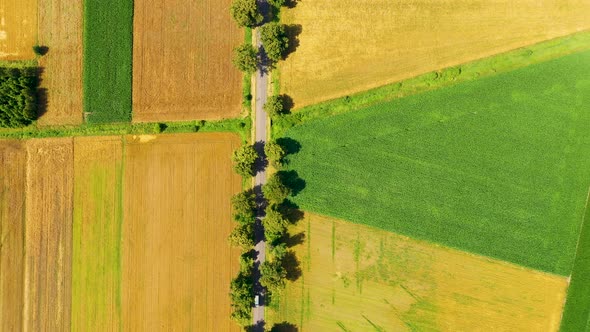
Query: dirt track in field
60,28
18,29
12,226
182,61
348,46
48,237
177,262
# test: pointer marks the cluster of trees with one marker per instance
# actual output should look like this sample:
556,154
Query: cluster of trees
18,96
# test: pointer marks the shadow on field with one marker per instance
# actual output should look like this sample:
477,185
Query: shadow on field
292,180
293,31
292,265
291,3
290,145
258,327
295,239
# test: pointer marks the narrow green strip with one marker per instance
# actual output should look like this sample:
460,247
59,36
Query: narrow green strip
108,57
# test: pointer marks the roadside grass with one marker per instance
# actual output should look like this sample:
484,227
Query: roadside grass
493,65
247,78
108,56
576,313
497,166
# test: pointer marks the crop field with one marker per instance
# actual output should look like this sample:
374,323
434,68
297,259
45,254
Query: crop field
60,29
497,166
347,46
112,223
358,278
182,61
107,60
18,29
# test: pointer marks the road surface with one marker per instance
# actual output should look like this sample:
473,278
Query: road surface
260,135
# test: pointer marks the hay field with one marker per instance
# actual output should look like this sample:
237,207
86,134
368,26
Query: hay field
357,278
348,46
177,273
13,164
97,226
18,29
48,236
60,28
182,61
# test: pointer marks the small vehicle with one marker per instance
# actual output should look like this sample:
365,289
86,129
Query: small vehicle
256,300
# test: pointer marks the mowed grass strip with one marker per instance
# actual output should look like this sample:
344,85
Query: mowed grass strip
98,219
497,166
360,278
576,314
108,56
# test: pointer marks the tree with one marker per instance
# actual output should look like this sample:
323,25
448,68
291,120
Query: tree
274,39
244,158
275,224
274,106
278,251
275,191
246,13
276,3
18,96
274,153
245,58
241,290
272,275
242,236
246,263
244,206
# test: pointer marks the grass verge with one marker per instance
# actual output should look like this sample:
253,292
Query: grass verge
434,80
576,314
108,57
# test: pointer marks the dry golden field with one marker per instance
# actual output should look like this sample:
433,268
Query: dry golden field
356,278
13,164
182,61
177,273
347,46
60,28
48,235
18,29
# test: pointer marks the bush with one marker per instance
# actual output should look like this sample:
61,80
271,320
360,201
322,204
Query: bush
245,58
274,39
244,159
246,13
274,106
275,191
274,153
18,97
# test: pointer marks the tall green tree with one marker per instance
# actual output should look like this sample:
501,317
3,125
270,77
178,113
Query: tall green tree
242,236
275,224
244,206
274,106
274,40
241,291
274,153
273,276
246,13
244,158
245,58
275,190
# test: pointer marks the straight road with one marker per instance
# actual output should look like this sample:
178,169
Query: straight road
261,134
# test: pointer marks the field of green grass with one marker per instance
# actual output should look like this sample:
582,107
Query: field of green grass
108,56
497,166
576,314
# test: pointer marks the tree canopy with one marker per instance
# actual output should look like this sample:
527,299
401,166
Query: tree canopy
244,206
18,97
242,236
272,275
274,153
244,158
246,13
274,39
245,58
275,191
274,106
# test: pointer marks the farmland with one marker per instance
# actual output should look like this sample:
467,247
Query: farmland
18,29
348,46
358,278
182,61
60,29
496,166
107,218
107,60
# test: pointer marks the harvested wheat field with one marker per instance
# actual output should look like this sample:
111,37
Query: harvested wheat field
98,219
357,278
13,165
60,28
48,238
347,46
182,66
18,29
177,262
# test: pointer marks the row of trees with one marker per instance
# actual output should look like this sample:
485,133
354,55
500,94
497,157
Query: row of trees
18,96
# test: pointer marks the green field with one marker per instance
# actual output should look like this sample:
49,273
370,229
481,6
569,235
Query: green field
108,56
497,166
576,314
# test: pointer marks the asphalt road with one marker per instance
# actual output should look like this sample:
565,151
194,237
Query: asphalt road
261,119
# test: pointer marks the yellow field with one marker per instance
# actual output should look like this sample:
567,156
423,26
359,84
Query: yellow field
356,278
18,29
347,46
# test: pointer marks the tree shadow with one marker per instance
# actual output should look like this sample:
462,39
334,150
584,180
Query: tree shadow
40,49
284,327
258,327
292,265
291,211
288,103
293,240
288,144
265,64
261,162
292,180
293,31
